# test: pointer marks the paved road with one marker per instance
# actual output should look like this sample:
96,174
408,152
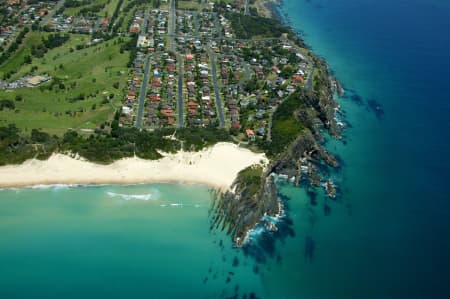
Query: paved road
180,91
231,39
247,71
309,83
218,26
269,127
212,57
145,22
172,26
50,15
143,94
196,26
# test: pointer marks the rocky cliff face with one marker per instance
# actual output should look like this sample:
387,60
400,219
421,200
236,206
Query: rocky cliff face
240,210
322,94
305,154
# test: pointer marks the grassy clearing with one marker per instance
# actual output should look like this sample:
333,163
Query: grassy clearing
89,73
189,5
250,177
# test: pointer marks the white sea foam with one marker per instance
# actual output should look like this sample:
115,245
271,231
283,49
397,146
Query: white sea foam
148,196
53,186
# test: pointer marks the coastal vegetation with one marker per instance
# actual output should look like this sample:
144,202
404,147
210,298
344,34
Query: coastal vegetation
121,143
104,146
16,148
195,139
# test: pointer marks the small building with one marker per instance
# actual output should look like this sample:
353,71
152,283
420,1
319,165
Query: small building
36,80
250,134
297,78
126,110
261,131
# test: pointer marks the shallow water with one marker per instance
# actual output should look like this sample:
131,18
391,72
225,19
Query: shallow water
143,241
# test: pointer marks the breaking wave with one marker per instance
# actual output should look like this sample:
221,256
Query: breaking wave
53,186
147,196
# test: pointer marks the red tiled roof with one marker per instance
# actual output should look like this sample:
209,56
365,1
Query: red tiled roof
167,112
249,132
193,104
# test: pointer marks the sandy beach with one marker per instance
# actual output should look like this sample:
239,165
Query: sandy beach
216,166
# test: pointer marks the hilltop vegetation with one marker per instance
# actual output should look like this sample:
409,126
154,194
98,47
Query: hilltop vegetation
286,127
247,26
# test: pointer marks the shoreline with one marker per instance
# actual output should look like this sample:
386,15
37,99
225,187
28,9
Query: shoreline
216,167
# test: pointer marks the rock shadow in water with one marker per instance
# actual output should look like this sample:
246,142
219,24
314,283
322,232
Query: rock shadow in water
235,262
312,195
256,269
310,248
354,97
376,108
326,209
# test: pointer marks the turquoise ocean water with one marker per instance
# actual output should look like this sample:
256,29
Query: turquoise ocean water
386,236
143,241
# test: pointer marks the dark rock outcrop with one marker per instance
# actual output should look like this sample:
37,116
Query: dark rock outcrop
254,195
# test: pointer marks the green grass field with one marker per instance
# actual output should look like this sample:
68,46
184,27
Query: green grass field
90,72
16,59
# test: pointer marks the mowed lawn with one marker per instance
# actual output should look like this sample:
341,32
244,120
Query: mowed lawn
89,72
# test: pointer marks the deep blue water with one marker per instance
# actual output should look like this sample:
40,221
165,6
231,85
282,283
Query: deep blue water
389,234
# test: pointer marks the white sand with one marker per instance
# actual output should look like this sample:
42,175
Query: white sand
216,166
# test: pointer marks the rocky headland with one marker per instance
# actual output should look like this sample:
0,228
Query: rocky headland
254,194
